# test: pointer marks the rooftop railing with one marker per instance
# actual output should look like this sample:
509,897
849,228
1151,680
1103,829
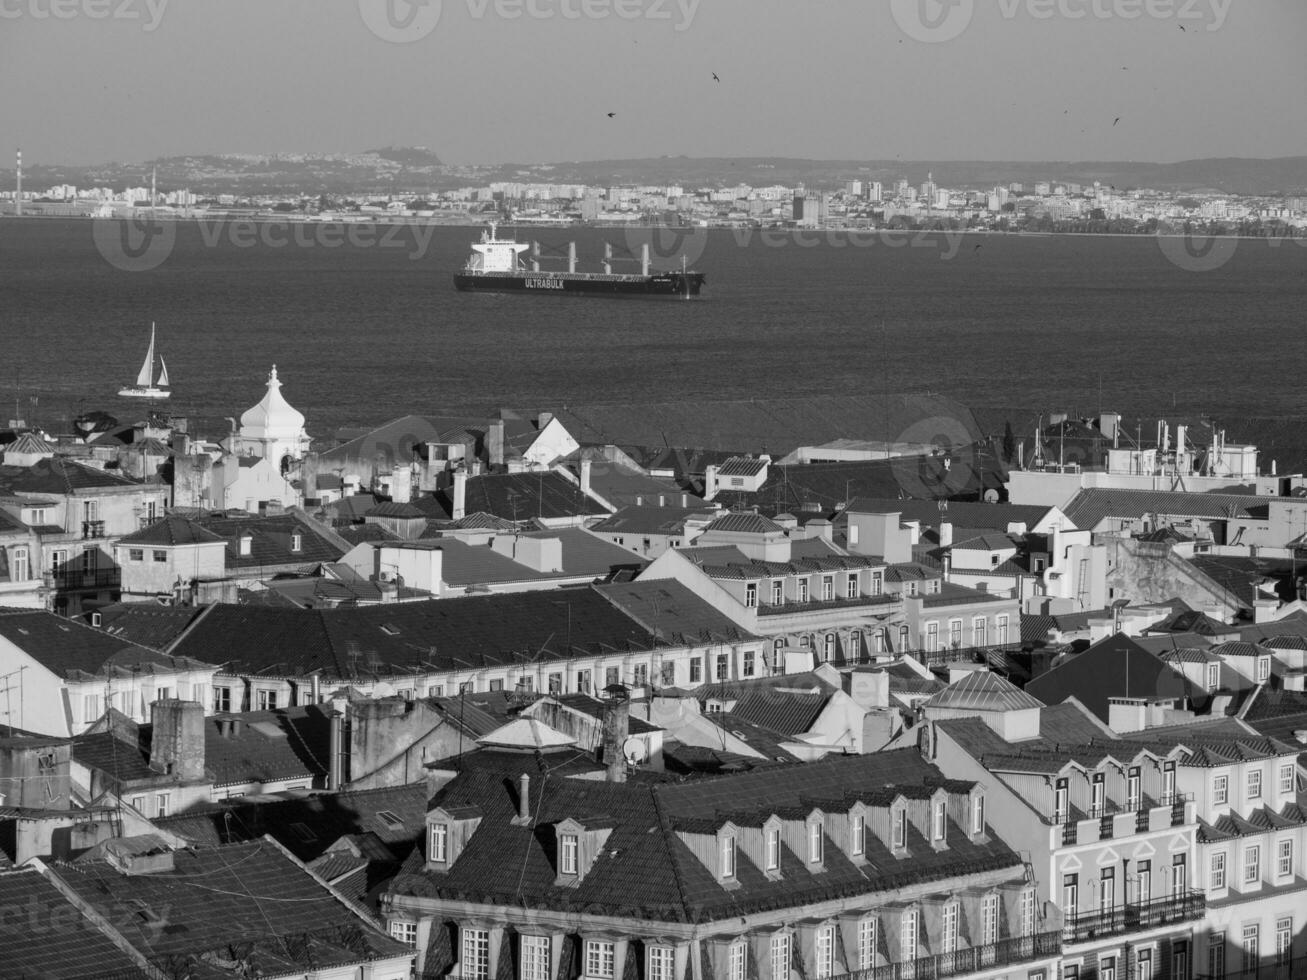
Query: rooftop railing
1134,917
974,959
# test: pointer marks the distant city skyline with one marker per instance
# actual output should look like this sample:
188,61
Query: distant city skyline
529,81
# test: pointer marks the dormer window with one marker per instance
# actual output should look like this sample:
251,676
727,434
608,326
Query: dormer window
1132,796
726,850
1060,801
1213,676
296,542
1263,669
247,544
977,814
803,590
857,834
816,841
1168,782
568,847
1097,788
939,821
1254,784
773,849
438,843
900,828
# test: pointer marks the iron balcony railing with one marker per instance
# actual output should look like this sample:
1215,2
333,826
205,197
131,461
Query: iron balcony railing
1006,952
1106,817
92,529
955,655
1134,917
811,605
66,578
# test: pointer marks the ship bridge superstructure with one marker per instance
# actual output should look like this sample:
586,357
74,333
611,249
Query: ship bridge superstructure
495,254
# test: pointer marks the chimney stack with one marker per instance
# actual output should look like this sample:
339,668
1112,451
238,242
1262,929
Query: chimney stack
459,509
586,465
334,764
524,798
177,741
617,726
495,443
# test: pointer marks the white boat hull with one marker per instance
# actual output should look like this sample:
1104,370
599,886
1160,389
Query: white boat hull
134,392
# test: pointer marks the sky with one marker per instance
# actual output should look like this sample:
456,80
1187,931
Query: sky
533,81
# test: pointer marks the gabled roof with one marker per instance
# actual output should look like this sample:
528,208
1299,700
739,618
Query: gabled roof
518,497
525,733
981,690
742,466
393,511
271,540
1092,505
744,523
669,610
648,520
67,647
985,542
170,531
246,902
931,513
60,475
77,950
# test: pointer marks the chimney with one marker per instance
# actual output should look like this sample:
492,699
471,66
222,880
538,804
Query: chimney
316,690
709,481
524,798
337,749
401,485
617,726
459,509
946,535
585,476
177,742
543,419
495,443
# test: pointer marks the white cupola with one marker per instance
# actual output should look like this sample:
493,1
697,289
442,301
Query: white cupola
272,429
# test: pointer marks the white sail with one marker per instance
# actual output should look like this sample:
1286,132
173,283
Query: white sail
163,373
147,369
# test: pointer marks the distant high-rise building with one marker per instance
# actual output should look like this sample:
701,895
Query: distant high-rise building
1017,187
853,188
874,192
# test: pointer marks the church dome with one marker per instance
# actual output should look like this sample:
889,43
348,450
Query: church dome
272,418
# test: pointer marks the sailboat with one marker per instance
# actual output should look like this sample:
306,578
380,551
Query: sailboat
143,387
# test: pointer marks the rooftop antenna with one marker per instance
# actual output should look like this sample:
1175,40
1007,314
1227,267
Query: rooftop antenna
18,193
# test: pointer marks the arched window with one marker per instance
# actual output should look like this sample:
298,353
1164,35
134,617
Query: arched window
828,649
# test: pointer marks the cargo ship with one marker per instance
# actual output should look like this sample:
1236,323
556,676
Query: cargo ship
496,265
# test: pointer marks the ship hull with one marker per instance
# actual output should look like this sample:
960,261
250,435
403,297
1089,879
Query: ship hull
156,394
666,285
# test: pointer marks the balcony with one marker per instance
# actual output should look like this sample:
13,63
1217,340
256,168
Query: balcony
1009,952
92,529
962,655
67,579
1102,823
1134,917
815,605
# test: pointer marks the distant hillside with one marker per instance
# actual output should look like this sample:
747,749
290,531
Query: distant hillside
418,170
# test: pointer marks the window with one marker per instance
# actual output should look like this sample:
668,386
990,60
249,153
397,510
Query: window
877,583
89,560
600,957
438,846
1213,676
1097,789
1216,955
908,937
496,684
1286,780
857,834
1060,811
639,675
1263,668
161,803
978,631
567,848
19,569
950,927
1026,913
90,707
736,967
583,681
728,857
476,954
803,590
989,920
828,648
535,960
866,943
267,700
851,587
1216,881
555,683
612,675
1252,864
825,952
160,555
778,654
296,542
662,963
932,637
1221,790
1070,895
436,691
1283,940
1179,874
780,955
751,595
1071,971
938,823
723,666
900,828
138,804
58,559
696,670
912,588
1284,858
1252,944
1180,959
1145,882
904,636
773,856
816,839
404,931
749,663
1168,782
1254,784
1107,968
955,633
136,554
1132,788
1000,629
777,592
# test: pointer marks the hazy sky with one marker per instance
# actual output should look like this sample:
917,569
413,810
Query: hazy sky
921,79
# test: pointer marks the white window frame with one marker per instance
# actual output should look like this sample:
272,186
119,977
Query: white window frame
851,587
438,843
1216,880
827,588
989,920
569,848
1252,864
816,842
1254,784
737,962
1252,947
823,952
857,834
939,820
949,927
660,963
1286,780
1283,940
726,857
866,942
772,848
534,958
474,954
600,959
778,950
1220,790
404,931
1284,858
908,945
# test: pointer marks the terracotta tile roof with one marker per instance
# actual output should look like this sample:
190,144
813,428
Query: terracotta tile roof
249,902
648,520
482,521
743,522
981,690
668,609
1092,505
519,497
60,475
647,872
392,510
742,466
171,530
75,951
271,541
68,648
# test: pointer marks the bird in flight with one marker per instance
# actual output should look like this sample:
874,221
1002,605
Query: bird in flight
1116,120
715,78
1182,28
611,115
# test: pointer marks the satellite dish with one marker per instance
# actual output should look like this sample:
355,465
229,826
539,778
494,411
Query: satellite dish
991,496
633,750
